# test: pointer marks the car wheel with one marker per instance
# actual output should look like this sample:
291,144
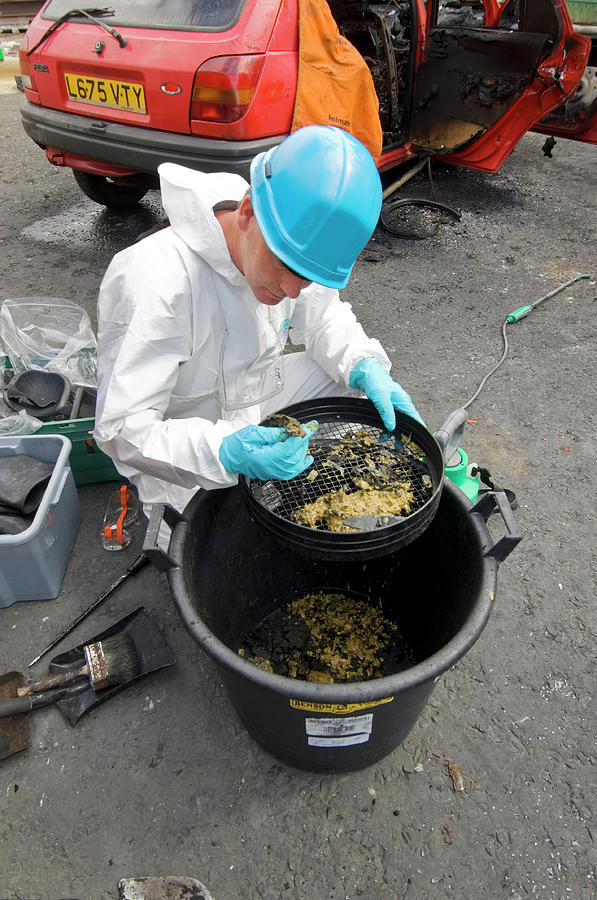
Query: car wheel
115,194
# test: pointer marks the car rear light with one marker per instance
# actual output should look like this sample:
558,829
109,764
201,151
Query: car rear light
224,87
25,67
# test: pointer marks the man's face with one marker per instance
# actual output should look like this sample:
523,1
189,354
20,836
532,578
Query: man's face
268,277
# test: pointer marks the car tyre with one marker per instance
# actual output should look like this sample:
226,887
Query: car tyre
116,195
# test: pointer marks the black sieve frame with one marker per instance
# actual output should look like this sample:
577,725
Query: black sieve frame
336,415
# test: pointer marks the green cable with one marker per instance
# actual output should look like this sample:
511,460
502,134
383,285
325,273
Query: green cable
510,319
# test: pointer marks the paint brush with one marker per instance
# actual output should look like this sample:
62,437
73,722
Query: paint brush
108,662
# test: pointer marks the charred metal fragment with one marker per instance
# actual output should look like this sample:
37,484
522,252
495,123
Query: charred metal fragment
457,12
548,146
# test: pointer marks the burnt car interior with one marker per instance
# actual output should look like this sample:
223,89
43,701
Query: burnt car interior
470,73
385,36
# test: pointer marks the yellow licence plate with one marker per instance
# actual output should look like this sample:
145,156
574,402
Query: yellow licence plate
106,92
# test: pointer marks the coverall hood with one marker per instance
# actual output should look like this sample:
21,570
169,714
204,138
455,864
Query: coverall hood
183,344
188,198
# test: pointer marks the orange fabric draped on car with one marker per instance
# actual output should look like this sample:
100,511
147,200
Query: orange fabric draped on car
334,84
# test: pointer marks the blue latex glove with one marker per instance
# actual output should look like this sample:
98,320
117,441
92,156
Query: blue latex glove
387,395
260,452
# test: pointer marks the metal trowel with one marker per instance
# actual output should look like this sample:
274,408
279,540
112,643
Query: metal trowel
15,733
368,523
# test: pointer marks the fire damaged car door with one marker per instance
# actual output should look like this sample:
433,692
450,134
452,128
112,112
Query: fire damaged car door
489,72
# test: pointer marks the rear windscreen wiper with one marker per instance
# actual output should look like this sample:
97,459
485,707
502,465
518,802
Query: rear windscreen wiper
89,13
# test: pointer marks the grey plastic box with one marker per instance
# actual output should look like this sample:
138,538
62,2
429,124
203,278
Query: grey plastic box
33,563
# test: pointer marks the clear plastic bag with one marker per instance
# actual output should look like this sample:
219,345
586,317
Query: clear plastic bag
49,333
18,423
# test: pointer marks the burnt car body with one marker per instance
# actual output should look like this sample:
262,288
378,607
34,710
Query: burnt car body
113,92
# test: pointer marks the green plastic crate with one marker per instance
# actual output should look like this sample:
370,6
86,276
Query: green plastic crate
88,464
583,12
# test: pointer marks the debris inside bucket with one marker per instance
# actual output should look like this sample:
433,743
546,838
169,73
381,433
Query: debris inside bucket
328,637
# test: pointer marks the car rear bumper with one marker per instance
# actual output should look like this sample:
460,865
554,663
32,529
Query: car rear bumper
139,149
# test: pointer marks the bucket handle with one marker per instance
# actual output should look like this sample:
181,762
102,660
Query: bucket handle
484,507
160,512
56,488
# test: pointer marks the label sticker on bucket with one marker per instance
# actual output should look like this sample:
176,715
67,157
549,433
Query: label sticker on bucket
339,741
339,708
338,732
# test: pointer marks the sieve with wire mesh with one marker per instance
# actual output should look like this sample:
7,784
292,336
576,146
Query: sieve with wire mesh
350,447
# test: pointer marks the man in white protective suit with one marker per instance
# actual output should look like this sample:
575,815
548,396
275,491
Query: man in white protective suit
193,319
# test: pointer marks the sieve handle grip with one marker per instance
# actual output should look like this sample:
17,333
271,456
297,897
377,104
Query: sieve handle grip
484,507
160,512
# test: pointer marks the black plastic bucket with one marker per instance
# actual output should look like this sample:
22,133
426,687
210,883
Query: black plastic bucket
226,574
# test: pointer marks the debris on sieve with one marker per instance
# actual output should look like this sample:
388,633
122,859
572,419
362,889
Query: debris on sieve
377,481
291,426
330,510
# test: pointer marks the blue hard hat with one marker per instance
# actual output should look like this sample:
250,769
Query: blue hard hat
317,198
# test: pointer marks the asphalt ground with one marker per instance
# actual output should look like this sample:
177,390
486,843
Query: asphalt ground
163,779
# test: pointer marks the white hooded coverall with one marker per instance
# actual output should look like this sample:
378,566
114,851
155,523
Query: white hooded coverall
177,320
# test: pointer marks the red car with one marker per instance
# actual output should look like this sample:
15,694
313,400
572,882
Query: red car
113,92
